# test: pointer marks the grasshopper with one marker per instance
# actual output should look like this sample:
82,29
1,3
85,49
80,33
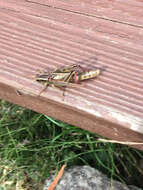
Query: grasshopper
65,77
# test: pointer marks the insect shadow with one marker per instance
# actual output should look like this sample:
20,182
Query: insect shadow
92,64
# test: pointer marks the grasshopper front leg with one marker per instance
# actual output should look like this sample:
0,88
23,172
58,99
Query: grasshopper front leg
46,84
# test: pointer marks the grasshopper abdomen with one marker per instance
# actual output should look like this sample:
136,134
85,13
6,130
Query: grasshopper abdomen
89,74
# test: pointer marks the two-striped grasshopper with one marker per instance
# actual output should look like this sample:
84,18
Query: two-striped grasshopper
64,77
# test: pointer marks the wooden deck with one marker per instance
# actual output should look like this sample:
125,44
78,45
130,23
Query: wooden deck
41,34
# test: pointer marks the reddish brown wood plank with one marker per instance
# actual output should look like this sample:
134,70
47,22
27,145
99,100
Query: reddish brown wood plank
34,36
128,12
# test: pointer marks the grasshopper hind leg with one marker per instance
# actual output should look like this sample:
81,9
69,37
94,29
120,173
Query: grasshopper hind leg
63,94
63,89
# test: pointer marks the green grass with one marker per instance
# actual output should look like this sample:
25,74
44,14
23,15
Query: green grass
34,145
